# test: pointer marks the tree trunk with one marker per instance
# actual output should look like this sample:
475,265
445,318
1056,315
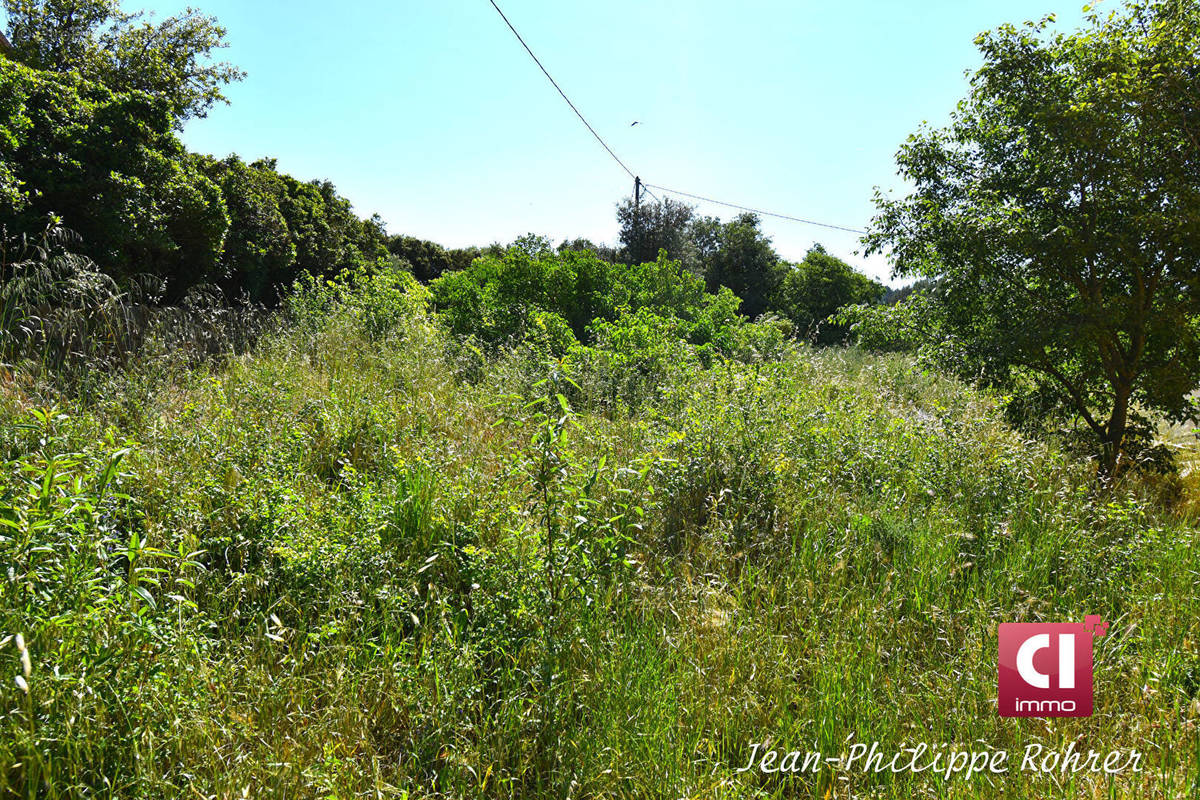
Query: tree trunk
1118,422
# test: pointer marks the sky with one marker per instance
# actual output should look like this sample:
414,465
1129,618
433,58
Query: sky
429,112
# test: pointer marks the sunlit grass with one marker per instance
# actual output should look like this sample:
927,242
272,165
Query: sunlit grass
370,567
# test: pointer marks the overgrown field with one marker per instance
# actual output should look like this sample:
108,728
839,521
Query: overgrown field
370,559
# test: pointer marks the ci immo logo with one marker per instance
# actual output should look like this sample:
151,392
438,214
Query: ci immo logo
1046,669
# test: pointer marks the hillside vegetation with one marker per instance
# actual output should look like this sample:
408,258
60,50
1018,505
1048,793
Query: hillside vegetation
368,558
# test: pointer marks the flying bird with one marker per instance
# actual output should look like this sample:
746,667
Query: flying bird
635,122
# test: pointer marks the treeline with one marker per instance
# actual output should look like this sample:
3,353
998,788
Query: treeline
738,256
91,102
109,165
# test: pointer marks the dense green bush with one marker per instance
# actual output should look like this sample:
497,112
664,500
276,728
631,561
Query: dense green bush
494,298
110,167
428,260
281,226
502,299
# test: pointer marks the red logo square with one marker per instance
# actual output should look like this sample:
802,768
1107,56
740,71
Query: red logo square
1045,670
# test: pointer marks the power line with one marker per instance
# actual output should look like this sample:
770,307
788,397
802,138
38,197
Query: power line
646,186
756,210
560,91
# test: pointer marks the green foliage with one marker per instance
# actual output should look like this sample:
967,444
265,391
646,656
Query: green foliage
743,260
103,157
649,228
428,260
1059,214
380,300
494,298
169,60
327,234
736,255
86,589
108,164
632,358
281,226
669,227
259,252
817,288
605,252
553,300
552,525
62,532
333,567
909,326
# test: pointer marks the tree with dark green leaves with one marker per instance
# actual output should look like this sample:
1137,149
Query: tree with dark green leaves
169,59
497,296
649,227
110,166
1059,213
500,298
582,245
90,101
738,256
428,260
328,235
280,226
735,254
816,288
742,259
260,253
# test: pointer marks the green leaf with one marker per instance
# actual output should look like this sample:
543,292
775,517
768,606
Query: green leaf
142,593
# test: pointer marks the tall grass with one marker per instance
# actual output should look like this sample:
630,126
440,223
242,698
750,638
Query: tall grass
66,326
359,561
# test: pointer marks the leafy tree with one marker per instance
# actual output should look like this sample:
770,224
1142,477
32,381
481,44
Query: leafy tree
1059,213
87,118
496,296
427,260
259,251
579,245
655,226
743,260
170,59
109,165
281,226
500,298
902,293
816,288
328,235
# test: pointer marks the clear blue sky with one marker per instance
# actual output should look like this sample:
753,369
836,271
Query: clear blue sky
429,113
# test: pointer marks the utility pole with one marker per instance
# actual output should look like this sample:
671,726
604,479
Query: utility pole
637,213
